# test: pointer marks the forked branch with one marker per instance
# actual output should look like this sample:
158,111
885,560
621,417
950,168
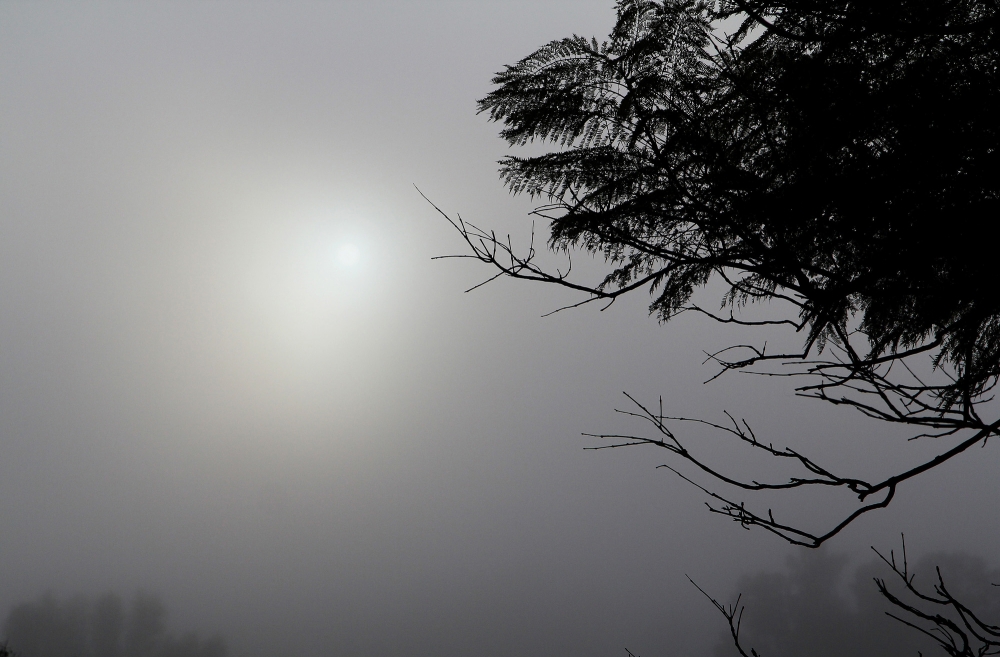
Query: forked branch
938,614
812,473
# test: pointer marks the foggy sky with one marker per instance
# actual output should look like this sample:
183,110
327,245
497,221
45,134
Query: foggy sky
197,399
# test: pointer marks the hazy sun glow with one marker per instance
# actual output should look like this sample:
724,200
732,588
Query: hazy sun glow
348,255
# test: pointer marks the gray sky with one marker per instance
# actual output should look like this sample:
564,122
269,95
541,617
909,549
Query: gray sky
198,397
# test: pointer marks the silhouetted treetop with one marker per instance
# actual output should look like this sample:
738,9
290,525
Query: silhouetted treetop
835,159
838,154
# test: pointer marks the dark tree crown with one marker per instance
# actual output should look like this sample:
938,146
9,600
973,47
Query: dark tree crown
841,155
835,158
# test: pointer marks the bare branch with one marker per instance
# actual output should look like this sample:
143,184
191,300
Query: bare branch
813,473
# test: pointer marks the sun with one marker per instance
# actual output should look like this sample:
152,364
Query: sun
348,255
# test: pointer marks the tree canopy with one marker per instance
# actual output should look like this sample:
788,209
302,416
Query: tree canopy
836,158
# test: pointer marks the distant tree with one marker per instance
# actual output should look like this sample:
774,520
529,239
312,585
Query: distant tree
48,627
79,627
809,610
107,625
832,163
146,625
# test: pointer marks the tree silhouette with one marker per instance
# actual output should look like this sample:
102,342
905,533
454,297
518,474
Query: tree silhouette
833,163
79,627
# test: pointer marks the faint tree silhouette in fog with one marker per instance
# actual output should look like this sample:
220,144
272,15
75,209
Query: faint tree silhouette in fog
49,627
106,626
833,164
146,625
78,627
814,609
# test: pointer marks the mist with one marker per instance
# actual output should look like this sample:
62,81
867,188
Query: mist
200,398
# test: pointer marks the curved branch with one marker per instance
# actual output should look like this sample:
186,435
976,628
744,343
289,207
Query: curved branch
816,475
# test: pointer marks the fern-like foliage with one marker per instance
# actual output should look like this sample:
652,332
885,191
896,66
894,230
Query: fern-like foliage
839,154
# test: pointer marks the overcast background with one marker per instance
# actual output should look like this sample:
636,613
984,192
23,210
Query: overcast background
197,398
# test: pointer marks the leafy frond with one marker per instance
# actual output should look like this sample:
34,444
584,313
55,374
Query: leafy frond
837,153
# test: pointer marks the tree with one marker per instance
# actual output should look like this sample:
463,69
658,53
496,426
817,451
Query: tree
832,162
80,627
